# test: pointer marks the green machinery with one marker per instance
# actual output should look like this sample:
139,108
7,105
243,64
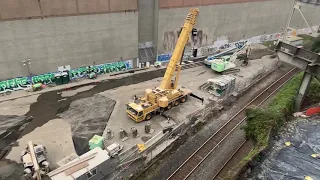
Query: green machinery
226,64
223,63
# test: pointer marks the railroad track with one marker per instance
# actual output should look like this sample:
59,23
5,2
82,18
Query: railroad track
193,161
235,157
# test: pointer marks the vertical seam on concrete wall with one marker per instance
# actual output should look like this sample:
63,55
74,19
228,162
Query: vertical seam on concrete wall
77,6
156,26
40,8
139,13
109,7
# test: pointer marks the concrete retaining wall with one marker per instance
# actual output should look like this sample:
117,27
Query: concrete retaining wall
25,9
233,22
72,40
115,28
186,3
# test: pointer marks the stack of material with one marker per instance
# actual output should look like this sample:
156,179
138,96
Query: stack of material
84,167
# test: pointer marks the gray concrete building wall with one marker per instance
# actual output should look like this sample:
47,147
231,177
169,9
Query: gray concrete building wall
146,20
233,21
72,40
79,36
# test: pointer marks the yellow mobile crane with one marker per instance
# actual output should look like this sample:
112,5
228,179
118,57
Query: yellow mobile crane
167,94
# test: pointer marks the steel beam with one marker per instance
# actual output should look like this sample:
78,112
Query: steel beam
303,59
302,90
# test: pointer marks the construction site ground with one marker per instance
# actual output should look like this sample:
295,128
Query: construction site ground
169,162
190,78
64,118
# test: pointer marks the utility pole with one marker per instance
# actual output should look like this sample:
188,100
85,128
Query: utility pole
27,63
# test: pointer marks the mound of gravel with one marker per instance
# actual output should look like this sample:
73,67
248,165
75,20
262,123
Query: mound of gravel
88,117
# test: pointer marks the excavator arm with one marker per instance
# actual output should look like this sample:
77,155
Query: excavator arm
174,67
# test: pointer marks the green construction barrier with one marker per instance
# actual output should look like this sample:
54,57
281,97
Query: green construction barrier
96,141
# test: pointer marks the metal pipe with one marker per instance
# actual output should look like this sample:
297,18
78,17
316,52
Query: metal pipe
284,38
304,18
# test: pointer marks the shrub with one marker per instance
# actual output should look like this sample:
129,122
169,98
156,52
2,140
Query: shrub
316,45
261,121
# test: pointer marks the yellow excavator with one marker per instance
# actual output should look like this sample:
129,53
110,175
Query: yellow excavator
167,94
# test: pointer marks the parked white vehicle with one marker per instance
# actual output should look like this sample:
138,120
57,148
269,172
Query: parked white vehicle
114,149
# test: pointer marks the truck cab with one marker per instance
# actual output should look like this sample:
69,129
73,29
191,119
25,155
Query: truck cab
135,113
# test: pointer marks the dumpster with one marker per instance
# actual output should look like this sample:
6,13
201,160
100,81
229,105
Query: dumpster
58,79
65,77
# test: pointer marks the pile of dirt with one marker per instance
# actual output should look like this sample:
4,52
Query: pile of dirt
258,51
88,117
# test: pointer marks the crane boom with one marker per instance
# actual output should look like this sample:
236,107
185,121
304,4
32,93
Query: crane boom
174,63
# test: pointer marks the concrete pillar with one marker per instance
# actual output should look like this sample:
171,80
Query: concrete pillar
135,62
147,24
302,90
155,27
145,20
